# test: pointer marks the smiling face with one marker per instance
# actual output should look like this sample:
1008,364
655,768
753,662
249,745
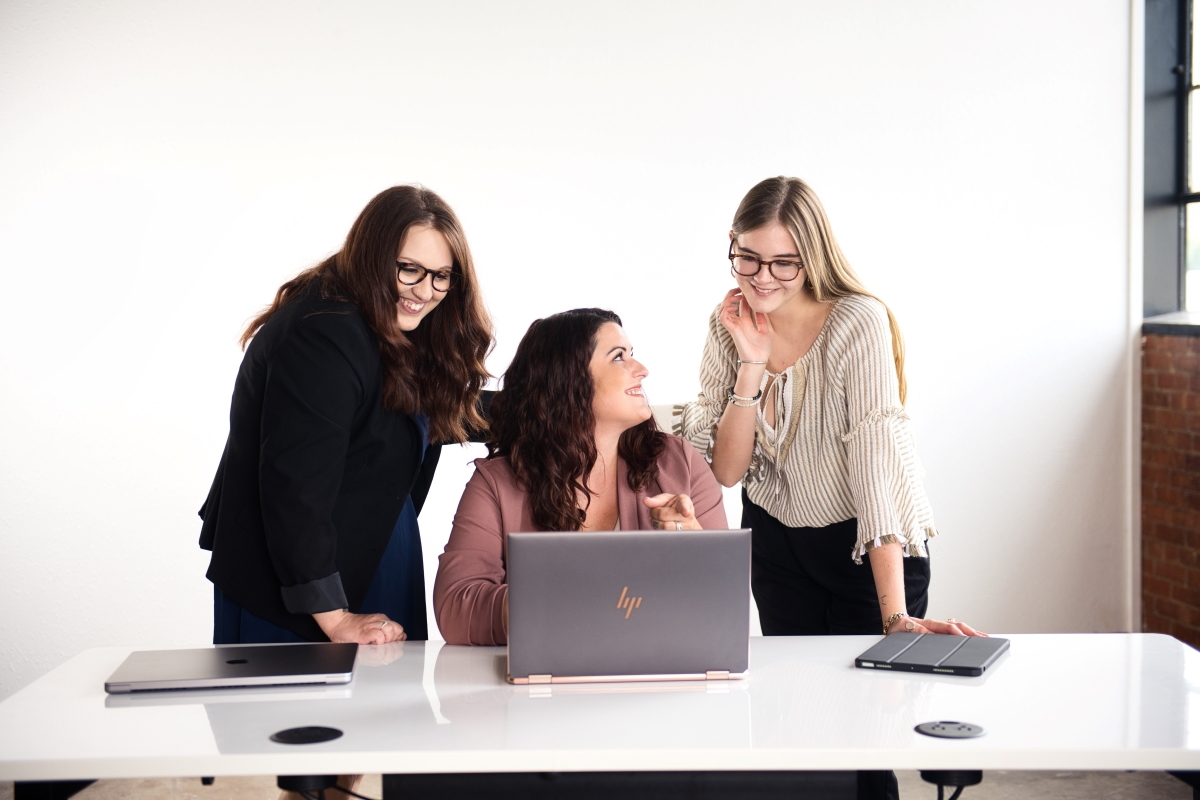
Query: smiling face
618,402
764,292
425,247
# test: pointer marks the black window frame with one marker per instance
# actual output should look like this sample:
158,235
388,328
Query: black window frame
1167,193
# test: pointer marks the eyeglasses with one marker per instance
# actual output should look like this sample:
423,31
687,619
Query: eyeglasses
747,266
411,274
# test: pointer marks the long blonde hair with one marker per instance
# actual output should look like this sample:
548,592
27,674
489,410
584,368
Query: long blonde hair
793,204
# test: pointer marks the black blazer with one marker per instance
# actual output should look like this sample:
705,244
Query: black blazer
315,471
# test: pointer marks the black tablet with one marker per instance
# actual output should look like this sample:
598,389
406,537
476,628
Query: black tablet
933,652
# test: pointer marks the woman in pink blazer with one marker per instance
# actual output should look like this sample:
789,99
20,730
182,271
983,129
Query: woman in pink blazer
573,447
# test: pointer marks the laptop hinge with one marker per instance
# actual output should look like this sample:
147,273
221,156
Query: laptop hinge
547,678
711,675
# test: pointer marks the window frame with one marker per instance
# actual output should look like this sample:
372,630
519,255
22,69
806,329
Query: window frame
1168,90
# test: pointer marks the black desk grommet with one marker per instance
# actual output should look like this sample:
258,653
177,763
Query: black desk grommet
312,734
944,729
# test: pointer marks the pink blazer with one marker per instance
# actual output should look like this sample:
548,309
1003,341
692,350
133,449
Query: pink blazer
468,595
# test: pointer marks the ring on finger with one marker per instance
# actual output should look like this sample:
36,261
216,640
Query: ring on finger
951,620
383,625
678,525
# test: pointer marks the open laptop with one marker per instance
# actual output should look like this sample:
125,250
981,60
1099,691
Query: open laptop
234,665
628,606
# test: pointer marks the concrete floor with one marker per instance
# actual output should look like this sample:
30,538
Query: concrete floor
1004,785
997,785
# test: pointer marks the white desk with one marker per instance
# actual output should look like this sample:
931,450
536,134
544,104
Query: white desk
1086,702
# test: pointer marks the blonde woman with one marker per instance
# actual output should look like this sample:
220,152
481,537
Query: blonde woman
802,402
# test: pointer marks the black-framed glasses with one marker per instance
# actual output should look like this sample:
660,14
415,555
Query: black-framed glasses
747,266
411,274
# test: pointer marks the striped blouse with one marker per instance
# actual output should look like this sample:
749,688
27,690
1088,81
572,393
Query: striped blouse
841,445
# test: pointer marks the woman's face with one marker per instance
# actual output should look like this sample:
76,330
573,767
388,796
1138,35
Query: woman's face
763,291
618,401
426,247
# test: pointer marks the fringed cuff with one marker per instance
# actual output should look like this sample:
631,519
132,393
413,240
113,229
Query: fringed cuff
704,442
912,545
697,425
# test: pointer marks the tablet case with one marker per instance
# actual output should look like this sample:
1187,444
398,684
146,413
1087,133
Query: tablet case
933,652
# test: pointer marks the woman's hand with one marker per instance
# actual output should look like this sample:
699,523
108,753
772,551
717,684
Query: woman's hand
951,626
750,330
342,626
672,512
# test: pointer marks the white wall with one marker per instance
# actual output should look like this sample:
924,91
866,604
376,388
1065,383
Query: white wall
165,166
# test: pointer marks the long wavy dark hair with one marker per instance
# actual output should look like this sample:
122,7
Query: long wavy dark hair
542,420
437,369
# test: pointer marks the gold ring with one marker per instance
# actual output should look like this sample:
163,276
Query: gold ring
951,620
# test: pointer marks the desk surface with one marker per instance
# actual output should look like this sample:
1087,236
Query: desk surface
1062,701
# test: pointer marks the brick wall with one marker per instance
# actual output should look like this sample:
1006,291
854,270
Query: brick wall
1171,486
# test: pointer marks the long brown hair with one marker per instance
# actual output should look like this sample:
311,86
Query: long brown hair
437,369
542,420
793,204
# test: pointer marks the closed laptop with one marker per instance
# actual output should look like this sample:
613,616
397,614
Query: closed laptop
236,665
628,605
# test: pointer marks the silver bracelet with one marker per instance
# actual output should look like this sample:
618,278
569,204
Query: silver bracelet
739,361
744,402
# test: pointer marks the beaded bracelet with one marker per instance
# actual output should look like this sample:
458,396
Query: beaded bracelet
744,402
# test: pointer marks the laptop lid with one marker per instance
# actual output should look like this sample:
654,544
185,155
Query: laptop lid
236,665
628,605
933,652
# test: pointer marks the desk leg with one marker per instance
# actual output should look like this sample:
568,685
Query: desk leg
48,790
1192,779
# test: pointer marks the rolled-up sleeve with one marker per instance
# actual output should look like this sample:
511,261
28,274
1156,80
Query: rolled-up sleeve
310,398
469,592
884,475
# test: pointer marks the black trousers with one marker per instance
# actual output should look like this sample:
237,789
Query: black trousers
806,584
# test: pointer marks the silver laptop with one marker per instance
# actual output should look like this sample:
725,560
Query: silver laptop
628,606
235,665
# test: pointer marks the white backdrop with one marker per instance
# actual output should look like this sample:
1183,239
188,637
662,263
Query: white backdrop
164,166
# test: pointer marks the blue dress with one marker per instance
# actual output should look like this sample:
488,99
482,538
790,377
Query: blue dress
397,590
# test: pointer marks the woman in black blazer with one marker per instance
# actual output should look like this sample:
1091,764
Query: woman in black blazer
352,376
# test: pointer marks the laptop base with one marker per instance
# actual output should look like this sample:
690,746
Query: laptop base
715,675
